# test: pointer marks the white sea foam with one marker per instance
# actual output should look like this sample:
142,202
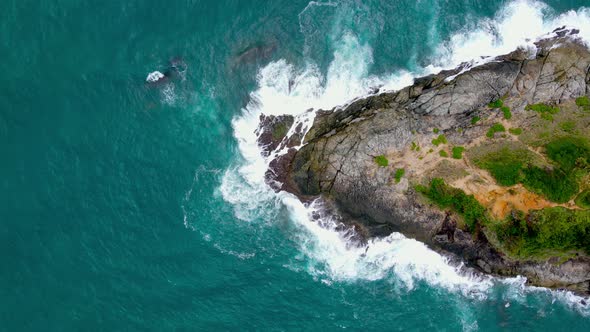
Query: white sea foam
154,76
284,89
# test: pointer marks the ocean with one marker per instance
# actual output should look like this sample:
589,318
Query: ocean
136,206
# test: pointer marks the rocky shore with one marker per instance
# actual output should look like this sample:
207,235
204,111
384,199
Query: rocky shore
383,161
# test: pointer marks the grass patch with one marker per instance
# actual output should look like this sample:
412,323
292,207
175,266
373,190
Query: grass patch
415,147
381,161
457,152
568,126
584,103
475,120
441,139
505,165
547,116
446,196
555,184
496,128
435,130
583,199
545,232
569,151
399,173
515,131
506,111
443,153
496,103
510,166
542,108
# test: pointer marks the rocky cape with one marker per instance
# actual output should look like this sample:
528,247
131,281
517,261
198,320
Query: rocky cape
336,162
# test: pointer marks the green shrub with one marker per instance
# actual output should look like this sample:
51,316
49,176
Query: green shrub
556,185
568,126
515,131
441,139
542,108
506,111
496,103
458,152
544,232
505,165
435,130
547,116
496,128
583,102
475,119
415,147
583,199
399,173
566,151
446,196
381,161
443,153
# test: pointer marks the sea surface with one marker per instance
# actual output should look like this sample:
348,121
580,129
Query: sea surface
134,206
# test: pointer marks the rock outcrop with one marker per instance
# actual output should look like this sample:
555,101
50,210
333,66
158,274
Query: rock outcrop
337,161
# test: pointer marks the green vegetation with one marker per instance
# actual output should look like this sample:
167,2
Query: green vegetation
515,131
547,116
443,153
381,161
446,196
457,152
583,199
505,165
555,184
399,173
568,126
544,110
506,111
510,165
584,103
435,130
545,232
280,131
496,128
569,151
441,139
415,147
496,103
475,119
541,233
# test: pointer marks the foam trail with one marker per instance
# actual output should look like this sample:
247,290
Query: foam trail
284,89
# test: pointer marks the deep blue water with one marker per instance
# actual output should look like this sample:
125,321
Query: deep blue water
130,206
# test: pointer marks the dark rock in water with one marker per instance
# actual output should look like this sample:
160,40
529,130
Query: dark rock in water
337,161
272,130
255,53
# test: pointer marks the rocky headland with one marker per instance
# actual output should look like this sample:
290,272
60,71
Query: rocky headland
490,164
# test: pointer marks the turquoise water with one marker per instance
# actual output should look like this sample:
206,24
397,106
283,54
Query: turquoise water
132,206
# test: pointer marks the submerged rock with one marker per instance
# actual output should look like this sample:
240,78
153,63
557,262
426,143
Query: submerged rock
337,162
